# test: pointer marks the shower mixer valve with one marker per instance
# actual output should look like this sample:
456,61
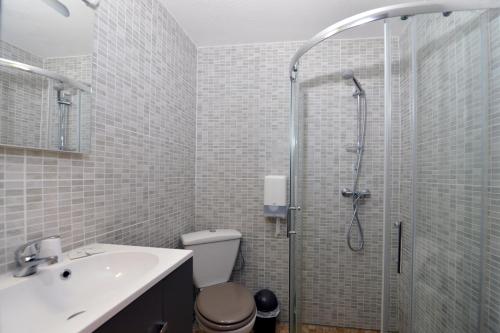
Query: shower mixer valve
358,194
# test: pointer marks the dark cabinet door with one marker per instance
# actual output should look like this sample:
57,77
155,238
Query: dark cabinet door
165,308
144,315
178,299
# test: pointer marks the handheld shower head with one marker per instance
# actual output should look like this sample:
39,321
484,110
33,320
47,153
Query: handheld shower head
348,74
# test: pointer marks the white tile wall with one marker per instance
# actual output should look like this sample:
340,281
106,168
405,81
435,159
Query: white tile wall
242,135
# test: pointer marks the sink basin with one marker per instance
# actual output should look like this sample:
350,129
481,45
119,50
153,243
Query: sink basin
80,295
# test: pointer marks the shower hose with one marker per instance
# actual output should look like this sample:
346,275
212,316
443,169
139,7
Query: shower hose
362,111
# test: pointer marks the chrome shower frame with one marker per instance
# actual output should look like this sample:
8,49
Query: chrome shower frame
383,13
400,10
60,79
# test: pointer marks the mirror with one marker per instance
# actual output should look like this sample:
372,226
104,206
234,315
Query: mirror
45,73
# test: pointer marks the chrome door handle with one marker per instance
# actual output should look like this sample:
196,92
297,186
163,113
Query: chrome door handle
399,226
289,230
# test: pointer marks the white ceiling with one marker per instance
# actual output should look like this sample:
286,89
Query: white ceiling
37,28
219,22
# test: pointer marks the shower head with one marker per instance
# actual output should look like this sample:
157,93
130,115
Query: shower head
348,74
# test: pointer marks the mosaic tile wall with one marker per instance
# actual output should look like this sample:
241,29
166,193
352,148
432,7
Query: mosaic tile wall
242,136
137,185
20,99
242,126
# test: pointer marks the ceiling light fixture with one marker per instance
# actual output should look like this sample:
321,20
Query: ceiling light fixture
58,7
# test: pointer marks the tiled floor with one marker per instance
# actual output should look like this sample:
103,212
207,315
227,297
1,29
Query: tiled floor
283,328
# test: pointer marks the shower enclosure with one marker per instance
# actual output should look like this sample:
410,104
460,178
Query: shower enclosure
426,238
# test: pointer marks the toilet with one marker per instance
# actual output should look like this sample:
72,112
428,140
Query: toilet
221,306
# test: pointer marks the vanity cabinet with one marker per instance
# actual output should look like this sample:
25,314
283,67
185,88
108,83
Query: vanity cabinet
167,307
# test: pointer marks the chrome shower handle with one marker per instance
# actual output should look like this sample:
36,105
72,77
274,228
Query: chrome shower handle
347,193
289,227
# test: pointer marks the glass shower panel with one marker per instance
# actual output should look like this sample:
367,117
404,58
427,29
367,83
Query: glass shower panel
397,217
439,172
490,321
449,173
403,130
341,287
295,212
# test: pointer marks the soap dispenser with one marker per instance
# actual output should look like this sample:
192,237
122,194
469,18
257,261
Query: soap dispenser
275,198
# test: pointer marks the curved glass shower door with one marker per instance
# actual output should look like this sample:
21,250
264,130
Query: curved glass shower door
450,178
431,219
447,116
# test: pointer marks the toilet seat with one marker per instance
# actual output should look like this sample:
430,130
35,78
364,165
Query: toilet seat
225,307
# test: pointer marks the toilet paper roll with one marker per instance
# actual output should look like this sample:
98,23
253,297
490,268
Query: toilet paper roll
51,247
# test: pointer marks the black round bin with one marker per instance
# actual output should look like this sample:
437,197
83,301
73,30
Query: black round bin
267,311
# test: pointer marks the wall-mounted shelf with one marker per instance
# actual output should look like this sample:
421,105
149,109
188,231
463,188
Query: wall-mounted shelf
67,82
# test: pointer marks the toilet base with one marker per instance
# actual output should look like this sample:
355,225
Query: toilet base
245,329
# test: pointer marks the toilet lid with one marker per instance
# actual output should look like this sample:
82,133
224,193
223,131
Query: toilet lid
204,322
226,303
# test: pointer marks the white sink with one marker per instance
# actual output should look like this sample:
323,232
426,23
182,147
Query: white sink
98,287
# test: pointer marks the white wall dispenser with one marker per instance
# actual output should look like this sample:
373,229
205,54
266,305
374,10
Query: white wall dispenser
275,202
